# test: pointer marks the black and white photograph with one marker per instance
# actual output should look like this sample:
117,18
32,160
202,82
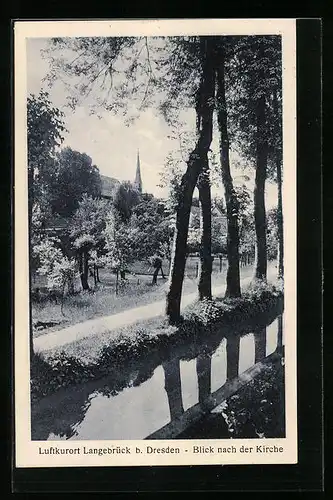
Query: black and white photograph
155,274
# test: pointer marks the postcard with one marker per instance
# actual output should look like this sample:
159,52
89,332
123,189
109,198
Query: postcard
155,242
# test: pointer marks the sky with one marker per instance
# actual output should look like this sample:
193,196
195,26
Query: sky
109,142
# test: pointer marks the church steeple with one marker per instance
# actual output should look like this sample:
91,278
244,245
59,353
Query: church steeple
138,180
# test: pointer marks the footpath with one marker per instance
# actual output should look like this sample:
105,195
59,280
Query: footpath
105,324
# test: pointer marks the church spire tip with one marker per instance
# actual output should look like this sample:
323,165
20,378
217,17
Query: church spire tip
138,180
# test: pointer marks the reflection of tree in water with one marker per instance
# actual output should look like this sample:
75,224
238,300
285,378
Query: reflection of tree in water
173,388
203,365
260,344
62,412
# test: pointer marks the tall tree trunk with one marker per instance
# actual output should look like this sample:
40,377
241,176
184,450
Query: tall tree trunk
204,109
233,275
205,274
178,256
280,215
80,259
278,159
259,193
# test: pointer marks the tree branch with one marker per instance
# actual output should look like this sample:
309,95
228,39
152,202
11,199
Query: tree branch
148,57
150,74
78,57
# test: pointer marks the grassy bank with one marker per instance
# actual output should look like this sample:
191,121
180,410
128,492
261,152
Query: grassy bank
102,301
203,325
136,290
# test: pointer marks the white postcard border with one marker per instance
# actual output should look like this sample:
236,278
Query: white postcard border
30,453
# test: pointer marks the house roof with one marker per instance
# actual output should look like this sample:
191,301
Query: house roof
109,185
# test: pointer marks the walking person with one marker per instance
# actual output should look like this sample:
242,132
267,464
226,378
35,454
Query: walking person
157,264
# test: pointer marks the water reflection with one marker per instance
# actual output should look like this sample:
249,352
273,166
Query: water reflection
247,348
219,366
190,393
131,414
159,395
272,337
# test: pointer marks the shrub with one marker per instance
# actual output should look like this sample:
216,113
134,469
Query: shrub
48,375
58,269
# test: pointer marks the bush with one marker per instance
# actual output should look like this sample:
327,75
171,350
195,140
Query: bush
257,298
59,371
260,290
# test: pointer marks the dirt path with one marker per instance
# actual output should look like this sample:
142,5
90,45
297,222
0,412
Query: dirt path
105,324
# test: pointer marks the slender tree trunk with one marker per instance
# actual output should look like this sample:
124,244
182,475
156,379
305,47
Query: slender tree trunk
63,297
205,274
233,275
278,152
204,109
84,270
178,257
259,193
80,259
280,216
97,275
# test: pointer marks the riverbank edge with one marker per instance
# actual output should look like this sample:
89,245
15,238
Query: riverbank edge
68,366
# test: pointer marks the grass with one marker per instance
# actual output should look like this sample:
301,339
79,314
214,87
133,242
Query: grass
102,302
89,350
203,322
136,291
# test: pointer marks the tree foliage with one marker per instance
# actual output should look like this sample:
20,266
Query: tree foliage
88,223
119,244
74,175
105,72
150,229
45,129
254,71
59,269
126,74
126,197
